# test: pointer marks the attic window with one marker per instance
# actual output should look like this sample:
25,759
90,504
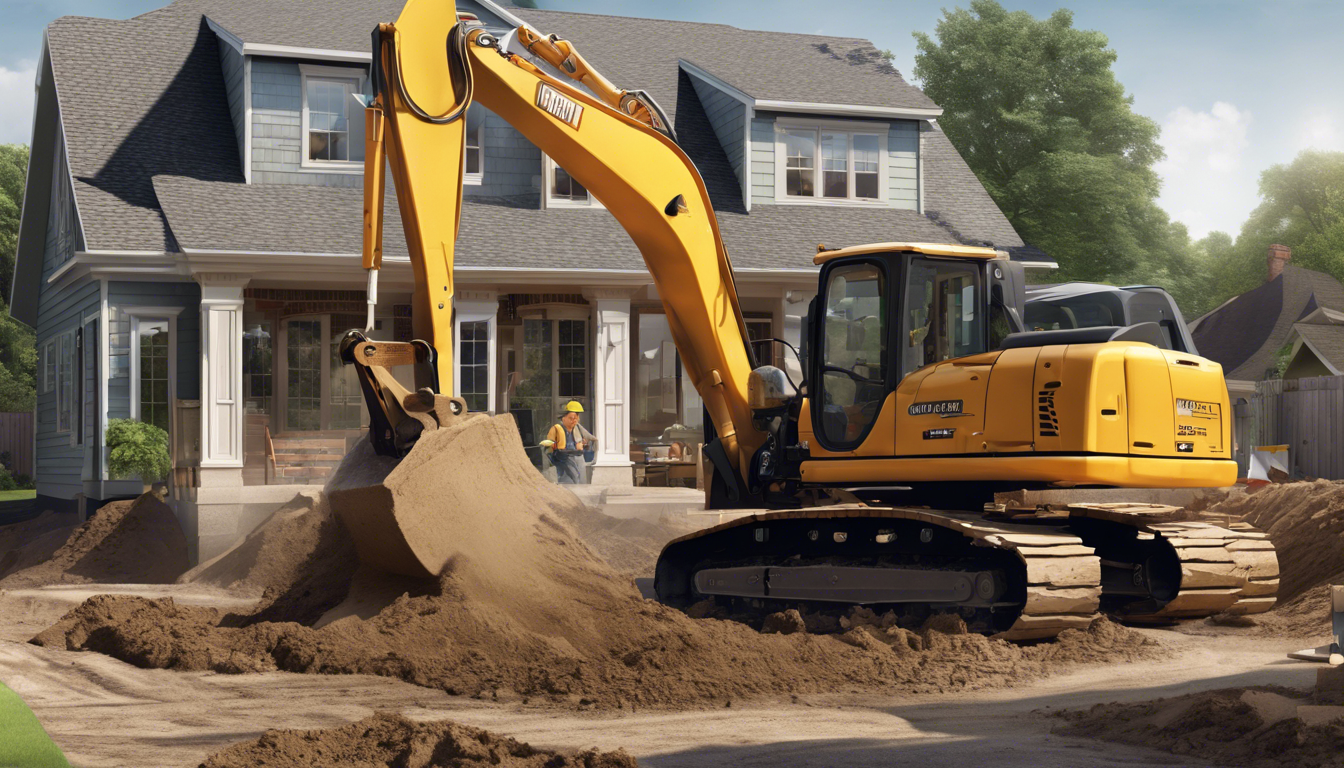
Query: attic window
563,190
333,123
825,162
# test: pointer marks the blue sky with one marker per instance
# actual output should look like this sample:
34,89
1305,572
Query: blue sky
1236,85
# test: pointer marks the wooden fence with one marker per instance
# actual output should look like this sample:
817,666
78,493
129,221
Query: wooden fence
1307,415
16,437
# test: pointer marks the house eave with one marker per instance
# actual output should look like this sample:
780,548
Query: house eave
810,107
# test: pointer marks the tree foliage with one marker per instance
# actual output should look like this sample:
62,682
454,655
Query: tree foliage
1035,109
138,450
13,173
18,345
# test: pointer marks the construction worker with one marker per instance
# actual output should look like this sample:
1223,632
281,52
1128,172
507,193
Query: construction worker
569,445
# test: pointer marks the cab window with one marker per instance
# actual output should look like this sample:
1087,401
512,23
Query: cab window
942,313
854,352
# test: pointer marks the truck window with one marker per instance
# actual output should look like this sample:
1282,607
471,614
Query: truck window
942,314
854,352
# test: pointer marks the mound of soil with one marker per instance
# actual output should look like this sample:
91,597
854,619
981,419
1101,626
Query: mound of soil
1306,523
1244,727
390,739
300,559
125,542
629,545
32,542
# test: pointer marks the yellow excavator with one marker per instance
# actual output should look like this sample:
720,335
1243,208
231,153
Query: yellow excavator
921,397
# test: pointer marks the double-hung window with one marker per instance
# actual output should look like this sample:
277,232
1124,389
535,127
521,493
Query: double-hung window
333,123
473,161
65,382
821,163
563,190
48,367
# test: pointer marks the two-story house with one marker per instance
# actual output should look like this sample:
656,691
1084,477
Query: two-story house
189,251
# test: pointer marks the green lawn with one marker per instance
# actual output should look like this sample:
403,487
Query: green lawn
17,495
24,742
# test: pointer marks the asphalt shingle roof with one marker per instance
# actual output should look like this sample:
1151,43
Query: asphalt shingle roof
139,98
1245,334
1327,340
148,125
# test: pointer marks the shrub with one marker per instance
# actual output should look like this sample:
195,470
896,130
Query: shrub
138,450
7,481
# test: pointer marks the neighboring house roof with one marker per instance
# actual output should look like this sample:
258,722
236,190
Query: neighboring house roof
1326,341
1245,334
155,158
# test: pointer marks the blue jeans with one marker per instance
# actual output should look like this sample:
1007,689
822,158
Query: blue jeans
569,468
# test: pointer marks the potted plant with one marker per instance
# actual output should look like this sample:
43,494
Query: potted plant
137,449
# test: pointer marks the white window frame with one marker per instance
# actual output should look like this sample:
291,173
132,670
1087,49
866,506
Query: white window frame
138,314
476,312
360,78
548,166
49,360
474,179
850,128
66,338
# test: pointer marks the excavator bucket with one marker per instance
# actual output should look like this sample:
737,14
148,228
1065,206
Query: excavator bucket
406,516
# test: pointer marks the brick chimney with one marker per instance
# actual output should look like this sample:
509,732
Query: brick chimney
1278,256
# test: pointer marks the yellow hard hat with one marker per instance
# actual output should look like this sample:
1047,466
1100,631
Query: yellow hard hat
573,406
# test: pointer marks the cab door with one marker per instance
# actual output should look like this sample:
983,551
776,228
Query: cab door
851,357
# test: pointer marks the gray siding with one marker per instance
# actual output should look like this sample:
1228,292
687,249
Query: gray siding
762,160
60,463
63,233
903,165
726,115
235,84
512,163
277,122
902,161
121,295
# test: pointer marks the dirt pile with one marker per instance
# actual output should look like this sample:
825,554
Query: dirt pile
390,739
1305,520
1244,727
629,545
31,542
523,608
126,542
300,559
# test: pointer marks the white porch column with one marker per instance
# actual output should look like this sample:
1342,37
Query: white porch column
792,310
221,338
611,384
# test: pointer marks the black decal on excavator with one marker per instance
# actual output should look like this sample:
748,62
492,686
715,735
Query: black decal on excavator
1047,419
941,407
939,434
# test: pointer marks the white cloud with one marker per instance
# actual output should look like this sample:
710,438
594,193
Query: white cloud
16,103
1205,184
1319,131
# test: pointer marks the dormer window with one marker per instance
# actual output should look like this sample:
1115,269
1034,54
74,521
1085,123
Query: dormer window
333,123
830,161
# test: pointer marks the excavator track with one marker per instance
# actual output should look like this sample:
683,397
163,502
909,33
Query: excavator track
1224,567
1046,580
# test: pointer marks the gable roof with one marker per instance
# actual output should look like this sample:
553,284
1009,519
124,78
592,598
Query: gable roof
155,159
1245,334
1326,341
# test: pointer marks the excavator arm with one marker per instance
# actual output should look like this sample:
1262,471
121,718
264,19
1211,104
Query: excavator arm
618,146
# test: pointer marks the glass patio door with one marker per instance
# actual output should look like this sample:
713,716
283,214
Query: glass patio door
305,373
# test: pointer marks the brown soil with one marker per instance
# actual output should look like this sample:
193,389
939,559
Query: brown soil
390,739
300,559
629,545
23,545
1244,727
125,542
523,608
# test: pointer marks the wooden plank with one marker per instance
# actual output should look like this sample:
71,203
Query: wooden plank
1077,600
1201,601
1204,575
1251,605
1064,571
1260,588
1064,550
1035,627
1258,564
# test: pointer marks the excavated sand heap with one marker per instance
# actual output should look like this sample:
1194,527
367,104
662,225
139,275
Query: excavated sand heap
390,739
523,608
125,542
1243,727
31,542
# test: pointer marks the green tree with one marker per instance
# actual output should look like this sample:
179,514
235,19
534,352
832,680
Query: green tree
1034,108
13,172
1302,207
